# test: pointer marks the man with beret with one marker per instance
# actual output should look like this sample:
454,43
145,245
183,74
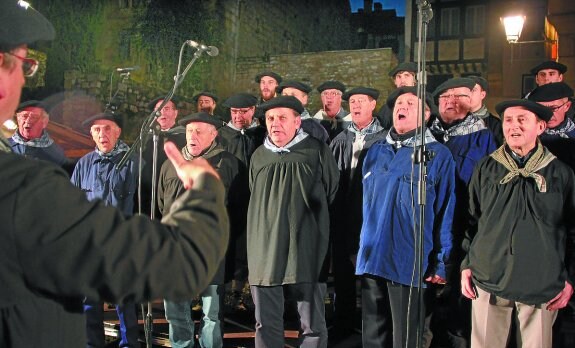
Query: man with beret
31,139
478,108
333,117
387,247
166,130
293,178
201,134
268,82
469,140
403,75
75,248
349,148
521,208
301,91
241,136
205,102
548,72
96,174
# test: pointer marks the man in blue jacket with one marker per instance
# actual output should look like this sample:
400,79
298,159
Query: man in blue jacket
97,175
386,257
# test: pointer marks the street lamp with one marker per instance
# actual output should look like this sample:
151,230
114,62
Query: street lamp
513,26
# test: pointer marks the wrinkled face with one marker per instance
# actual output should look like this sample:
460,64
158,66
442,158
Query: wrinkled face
521,128
454,104
331,99
105,134
405,113
282,124
546,76
31,122
361,107
199,137
476,98
168,114
11,82
404,78
268,87
242,117
300,95
560,107
206,104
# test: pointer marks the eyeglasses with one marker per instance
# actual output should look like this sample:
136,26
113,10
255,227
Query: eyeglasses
555,108
330,94
29,65
240,112
455,96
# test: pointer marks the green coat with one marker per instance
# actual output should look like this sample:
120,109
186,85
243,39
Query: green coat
288,217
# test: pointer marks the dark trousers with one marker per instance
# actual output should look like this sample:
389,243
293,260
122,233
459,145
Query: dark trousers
385,319
345,293
269,308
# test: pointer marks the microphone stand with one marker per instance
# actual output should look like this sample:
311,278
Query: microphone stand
149,126
421,157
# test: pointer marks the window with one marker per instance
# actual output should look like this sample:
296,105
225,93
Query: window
475,20
449,21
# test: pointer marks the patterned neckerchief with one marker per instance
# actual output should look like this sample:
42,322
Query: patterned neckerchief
470,124
120,147
299,136
371,128
305,114
411,141
43,141
482,112
561,130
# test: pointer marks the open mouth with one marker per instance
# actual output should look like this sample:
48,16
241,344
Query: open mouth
401,117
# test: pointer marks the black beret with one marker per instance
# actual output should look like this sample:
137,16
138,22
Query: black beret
205,94
282,101
153,102
372,92
272,74
32,103
332,84
409,89
293,84
21,24
104,116
480,81
241,100
454,83
549,65
406,66
550,92
543,112
201,117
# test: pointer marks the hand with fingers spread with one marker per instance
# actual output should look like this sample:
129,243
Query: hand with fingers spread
188,171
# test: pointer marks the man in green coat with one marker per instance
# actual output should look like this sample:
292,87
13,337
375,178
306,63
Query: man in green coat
293,178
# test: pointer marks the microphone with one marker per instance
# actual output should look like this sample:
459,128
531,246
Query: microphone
210,50
128,69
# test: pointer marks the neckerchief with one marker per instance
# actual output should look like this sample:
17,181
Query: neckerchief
4,144
482,112
299,136
43,141
252,125
470,124
539,160
371,128
305,114
561,130
120,147
410,141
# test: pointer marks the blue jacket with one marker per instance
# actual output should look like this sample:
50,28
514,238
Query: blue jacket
52,153
98,177
390,206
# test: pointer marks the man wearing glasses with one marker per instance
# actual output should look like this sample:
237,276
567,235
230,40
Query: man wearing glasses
31,139
333,117
469,140
57,247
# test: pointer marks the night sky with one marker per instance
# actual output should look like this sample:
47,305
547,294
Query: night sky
398,5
